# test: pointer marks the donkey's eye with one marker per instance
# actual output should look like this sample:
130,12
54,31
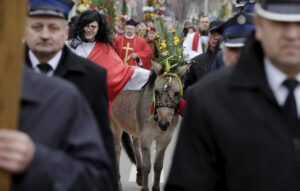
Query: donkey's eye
156,92
177,94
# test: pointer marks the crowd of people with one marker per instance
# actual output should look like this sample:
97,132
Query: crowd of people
240,128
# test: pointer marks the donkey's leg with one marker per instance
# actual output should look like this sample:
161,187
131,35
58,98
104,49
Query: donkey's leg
137,152
117,132
161,146
146,160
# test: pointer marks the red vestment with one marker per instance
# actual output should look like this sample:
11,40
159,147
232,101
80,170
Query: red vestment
118,74
136,45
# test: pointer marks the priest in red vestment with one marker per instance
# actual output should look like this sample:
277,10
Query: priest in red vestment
90,38
133,49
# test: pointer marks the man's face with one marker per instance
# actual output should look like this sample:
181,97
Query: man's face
91,30
141,29
213,39
280,42
203,24
45,35
169,23
231,55
129,30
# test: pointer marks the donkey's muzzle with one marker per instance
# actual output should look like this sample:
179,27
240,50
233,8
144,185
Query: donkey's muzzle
164,126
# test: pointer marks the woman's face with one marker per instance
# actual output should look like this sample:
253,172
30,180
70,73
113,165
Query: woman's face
90,31
151,35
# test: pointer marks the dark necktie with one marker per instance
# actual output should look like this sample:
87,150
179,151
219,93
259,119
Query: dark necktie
290,109
44,67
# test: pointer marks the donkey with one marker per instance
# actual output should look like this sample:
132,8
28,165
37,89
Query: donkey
131,111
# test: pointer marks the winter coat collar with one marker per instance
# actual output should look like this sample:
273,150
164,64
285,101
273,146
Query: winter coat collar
69,62
249,72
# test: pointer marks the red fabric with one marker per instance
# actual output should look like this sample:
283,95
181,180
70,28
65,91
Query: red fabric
118,74
181,106
152,112
196,41
139,46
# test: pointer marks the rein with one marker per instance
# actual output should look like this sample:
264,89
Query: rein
174,103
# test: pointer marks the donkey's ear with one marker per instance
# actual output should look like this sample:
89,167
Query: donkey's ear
156,67
182,69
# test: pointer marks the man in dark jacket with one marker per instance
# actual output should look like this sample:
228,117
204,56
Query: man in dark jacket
45,36
200,65
58,145
241,126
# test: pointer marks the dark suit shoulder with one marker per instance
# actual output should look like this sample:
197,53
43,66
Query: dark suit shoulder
40,88
202,57
198,58
40,85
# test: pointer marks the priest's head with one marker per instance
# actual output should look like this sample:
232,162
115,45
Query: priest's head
47,27
130,28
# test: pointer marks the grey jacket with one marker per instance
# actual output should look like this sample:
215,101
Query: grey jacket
70,153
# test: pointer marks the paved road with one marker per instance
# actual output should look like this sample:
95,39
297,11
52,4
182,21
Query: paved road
128,170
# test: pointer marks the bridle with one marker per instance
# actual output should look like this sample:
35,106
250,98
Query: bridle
166,78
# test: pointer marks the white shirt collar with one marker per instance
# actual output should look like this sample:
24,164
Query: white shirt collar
130,37
275,78
53,62
84,49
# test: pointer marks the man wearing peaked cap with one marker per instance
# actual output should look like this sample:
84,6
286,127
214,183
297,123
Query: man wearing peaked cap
45,36
235,32
241,127
236,29
201,64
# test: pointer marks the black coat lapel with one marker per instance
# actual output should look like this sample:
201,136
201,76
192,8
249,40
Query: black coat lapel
69,63
250,73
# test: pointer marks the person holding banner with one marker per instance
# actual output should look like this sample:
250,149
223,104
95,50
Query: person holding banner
58,145
45,35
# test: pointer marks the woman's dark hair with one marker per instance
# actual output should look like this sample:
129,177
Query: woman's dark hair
88,16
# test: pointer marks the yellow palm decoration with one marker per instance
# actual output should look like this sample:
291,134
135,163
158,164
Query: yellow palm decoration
169,45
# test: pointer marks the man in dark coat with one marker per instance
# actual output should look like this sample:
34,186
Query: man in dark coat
58,145
90,79
45,36
240,131
200,65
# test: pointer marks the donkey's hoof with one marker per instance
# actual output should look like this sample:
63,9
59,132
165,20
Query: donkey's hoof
155,188
139,178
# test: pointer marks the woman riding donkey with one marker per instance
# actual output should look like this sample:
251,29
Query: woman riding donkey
90,37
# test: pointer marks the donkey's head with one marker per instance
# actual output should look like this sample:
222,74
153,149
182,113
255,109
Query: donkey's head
168,91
